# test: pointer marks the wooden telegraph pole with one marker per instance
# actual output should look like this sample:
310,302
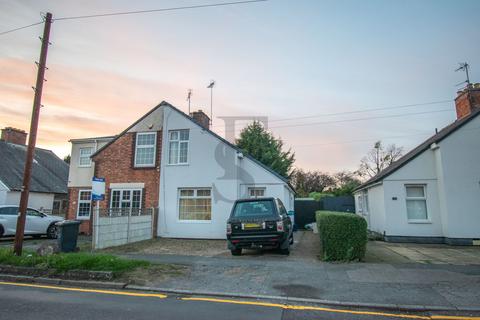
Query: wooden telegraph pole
18,245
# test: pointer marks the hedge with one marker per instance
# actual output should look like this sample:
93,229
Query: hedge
343,236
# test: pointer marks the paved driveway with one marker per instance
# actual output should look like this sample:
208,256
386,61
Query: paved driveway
384,252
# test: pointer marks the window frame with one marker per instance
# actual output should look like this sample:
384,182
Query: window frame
424,198
195,196
80,157
84,201
254,189
179,141
145,165
131,191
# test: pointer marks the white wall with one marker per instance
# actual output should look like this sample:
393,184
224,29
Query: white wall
212,164
36,200
82,176
460,155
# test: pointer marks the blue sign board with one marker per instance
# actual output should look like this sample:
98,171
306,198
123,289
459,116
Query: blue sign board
98,189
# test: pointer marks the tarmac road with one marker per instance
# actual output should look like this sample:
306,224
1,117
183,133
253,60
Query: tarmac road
32,301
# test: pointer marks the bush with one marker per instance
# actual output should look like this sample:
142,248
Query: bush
343,236
319,195
71,261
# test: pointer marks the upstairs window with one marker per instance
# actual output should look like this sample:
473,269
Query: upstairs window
145,147
84,157
178,147
416,202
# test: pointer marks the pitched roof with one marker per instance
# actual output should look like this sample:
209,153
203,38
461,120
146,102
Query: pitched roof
166,104
282,178
49,172
442,134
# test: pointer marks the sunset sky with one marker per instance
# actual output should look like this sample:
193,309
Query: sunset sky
282,59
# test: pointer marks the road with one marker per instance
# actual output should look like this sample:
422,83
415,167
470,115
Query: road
31,301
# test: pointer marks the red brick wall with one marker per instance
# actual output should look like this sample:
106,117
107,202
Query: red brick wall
13,135
466,101
72,208
115,164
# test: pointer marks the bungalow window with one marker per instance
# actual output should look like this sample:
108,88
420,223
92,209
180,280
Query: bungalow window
84,204
195,204
145,149
178,147
416,202
125,200
84,157
256,192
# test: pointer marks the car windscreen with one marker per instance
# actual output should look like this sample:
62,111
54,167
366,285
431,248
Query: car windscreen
254,209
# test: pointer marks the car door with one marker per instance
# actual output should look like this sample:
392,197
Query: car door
8,219
35,222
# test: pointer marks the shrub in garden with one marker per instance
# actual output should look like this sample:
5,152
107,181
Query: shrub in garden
343,236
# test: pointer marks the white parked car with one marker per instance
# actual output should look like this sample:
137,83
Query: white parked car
36,223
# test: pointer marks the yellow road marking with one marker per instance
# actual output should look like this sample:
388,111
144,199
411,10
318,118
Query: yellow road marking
313,308
121,293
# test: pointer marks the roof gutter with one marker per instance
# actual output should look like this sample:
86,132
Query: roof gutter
369,186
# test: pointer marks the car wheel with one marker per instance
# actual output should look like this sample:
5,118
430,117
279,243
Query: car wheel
291,239
236,252
285,251
52,231
2,231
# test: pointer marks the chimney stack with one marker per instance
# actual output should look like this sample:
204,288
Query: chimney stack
467,100
14,135
201,118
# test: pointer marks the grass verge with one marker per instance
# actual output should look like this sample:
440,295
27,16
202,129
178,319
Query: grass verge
72,261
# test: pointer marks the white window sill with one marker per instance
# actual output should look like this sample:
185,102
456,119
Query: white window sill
145,166
420,221
85,166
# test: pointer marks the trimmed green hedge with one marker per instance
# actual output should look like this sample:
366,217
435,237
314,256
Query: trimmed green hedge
343,236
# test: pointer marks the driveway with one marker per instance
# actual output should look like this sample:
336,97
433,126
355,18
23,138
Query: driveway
31,243
305,248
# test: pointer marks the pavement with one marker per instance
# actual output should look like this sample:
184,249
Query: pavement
395,276
31,301
399,275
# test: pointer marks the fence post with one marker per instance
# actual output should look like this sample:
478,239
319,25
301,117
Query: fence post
96,225
154,221
128,225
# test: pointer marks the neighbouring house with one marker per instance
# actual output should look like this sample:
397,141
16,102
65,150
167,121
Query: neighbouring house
173,162
48,186
432,194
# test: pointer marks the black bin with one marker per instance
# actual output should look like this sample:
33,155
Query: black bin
67,235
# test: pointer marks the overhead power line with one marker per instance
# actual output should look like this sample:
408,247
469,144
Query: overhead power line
354,119
20,28
353,111
159,10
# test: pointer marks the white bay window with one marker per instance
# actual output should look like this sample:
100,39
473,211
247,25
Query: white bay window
195,204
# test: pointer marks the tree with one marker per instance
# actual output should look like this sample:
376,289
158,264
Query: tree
67,159
306,182
378,158
264,147
345,182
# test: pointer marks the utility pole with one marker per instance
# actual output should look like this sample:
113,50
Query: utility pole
210,86
18,245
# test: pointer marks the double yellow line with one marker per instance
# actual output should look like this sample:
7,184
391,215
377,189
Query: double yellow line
243,302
